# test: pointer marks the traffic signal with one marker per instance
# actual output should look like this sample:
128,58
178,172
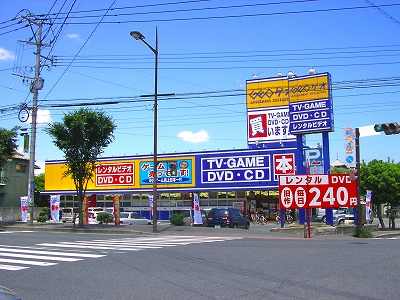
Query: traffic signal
387,128
353,174
173,167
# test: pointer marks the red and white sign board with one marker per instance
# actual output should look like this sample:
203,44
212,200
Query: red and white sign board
284,164
317,191
115,174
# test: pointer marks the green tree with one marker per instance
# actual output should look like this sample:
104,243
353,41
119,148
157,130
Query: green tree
82,137
337,170
40,200
8,144
383,179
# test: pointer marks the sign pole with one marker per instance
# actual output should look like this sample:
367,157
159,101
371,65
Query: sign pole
358,181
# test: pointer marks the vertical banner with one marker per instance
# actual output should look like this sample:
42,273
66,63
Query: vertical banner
24,209
116,209
368,199
55,208
197,214
85,210
151,205
26,143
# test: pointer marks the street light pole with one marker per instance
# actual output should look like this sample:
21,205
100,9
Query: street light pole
138,36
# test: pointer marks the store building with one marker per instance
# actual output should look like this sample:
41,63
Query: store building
281,111
246,179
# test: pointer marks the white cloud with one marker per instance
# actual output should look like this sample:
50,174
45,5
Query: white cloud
74,36
198,137
41,164
6,55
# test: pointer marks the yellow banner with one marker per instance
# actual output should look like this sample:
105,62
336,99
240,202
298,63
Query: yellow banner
309,88
267,93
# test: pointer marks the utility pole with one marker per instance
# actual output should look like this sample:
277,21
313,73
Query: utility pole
35,85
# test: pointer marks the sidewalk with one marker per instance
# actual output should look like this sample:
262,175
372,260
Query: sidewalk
271,229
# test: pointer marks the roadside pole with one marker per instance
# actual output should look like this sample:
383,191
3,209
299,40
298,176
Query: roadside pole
359,217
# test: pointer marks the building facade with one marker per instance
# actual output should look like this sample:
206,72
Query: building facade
246,179
14,181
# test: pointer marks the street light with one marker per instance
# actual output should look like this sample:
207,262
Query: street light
138,36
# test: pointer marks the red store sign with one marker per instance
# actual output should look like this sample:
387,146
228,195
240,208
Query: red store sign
316,191
114,174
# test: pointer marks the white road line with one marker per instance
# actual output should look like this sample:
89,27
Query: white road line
23,262
12,268
16,231
30,256
42,252
69,245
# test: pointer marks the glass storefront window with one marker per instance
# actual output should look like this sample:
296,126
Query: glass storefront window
135,202
212,195
212,202
203,195
203,203
231,195
175,196
222,202
241,194
165,196
163,203
221,195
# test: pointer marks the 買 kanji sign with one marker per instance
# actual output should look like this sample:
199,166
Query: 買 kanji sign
316,191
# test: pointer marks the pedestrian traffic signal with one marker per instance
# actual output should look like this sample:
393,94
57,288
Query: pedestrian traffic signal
173,167
387,128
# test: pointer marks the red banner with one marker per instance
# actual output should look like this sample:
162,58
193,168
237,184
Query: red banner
317,191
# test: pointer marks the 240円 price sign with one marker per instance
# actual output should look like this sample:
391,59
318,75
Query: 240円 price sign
317,191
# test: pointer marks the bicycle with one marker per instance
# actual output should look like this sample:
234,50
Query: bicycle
288,218
259,219
263,220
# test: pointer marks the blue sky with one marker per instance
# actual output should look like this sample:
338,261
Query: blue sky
207,51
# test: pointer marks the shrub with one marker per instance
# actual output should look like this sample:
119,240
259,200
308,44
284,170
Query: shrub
364,233
177,219
43,215
41,219
104,218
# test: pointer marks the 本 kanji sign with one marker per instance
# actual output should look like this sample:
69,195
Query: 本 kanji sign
316,191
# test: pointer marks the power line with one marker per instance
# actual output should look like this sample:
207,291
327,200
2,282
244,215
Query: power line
232,16
97,25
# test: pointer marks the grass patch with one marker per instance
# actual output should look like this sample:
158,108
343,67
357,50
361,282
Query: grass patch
364,233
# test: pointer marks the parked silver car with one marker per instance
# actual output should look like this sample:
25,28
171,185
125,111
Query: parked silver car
344,215
132,218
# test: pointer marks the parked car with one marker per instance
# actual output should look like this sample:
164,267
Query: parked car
91,218
132,218
6,293
95,209
344,215
321,214
67,214
227,217
188,213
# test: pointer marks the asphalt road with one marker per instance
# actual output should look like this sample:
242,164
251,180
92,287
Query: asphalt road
230,264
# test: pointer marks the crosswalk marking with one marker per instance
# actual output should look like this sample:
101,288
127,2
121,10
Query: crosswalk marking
15,258
12,268
30,256
16,231
43,252
24,262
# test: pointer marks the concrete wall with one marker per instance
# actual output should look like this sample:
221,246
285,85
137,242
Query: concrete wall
13,214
